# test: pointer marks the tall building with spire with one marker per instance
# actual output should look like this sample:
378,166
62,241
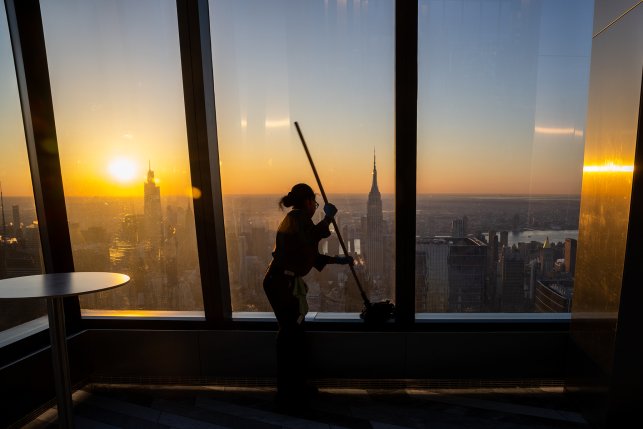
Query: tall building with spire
152,210
374,225
546,257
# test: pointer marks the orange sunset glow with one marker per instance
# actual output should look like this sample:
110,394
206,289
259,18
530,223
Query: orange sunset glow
118,109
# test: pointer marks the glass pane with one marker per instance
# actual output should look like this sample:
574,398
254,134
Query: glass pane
328,64
117,89
20,253
502,106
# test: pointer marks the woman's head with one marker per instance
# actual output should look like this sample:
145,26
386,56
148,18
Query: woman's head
298,197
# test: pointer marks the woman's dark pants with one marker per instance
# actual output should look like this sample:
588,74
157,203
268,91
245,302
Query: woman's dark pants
291,338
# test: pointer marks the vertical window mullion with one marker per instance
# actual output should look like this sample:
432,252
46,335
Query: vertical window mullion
406,90
201,125
32,73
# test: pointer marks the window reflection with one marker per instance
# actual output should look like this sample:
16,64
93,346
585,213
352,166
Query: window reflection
327,64
20,253
502,105
116,83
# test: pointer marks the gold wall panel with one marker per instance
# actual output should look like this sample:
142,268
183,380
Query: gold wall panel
610,144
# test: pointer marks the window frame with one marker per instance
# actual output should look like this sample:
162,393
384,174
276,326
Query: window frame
25,23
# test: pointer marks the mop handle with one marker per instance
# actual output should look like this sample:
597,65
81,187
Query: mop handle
321,188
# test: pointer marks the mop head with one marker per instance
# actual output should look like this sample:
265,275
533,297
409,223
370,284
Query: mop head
378,311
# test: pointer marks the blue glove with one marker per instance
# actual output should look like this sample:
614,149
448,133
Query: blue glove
345,260
330,210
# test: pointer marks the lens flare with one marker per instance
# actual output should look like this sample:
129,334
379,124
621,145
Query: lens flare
122,170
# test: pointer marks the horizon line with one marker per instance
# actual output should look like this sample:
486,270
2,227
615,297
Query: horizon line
329,193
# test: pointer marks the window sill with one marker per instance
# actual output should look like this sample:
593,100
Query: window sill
493,317
269,317
17,333
248,316
142,315
237,316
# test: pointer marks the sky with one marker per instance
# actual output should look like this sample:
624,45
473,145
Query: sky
502,97
327,65
501,103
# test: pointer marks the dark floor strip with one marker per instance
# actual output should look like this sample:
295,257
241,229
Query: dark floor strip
209,416
515,396
114,418
386,406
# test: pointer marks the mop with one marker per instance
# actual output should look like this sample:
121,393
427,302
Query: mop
371,312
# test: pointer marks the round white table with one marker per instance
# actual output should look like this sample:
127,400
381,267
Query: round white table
55,287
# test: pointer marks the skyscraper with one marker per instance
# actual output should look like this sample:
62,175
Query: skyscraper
453,273
363,233
493,257
465,226
374,221
457,228
436,274
32,234
570,255
466,263
554,296
546,257
504,238
513,282
152,210
333,245
17,232
533,278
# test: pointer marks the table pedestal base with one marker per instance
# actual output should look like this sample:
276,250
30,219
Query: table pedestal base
58,337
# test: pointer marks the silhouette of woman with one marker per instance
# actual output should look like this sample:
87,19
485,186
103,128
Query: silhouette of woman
295,254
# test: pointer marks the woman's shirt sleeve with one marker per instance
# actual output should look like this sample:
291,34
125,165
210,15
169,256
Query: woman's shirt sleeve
309,233
313,234
320,262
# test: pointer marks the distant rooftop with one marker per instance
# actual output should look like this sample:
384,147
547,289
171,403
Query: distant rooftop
564,288
452,241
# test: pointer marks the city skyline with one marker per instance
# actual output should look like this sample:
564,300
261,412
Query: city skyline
149,245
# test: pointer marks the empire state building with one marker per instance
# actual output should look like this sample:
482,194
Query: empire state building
374,221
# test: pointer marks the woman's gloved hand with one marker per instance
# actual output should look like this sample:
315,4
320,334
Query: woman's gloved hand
330,210
345,260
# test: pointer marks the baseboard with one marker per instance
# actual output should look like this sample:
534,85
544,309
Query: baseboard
328,383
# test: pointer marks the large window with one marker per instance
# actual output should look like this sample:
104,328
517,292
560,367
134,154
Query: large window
20,253
328,64
502,105
115,73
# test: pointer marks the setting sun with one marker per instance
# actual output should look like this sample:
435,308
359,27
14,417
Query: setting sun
122,170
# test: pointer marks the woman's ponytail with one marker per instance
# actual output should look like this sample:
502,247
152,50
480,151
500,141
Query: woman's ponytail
297,196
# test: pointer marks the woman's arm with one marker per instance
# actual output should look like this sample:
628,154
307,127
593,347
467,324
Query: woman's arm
341,260
309,232
328,220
